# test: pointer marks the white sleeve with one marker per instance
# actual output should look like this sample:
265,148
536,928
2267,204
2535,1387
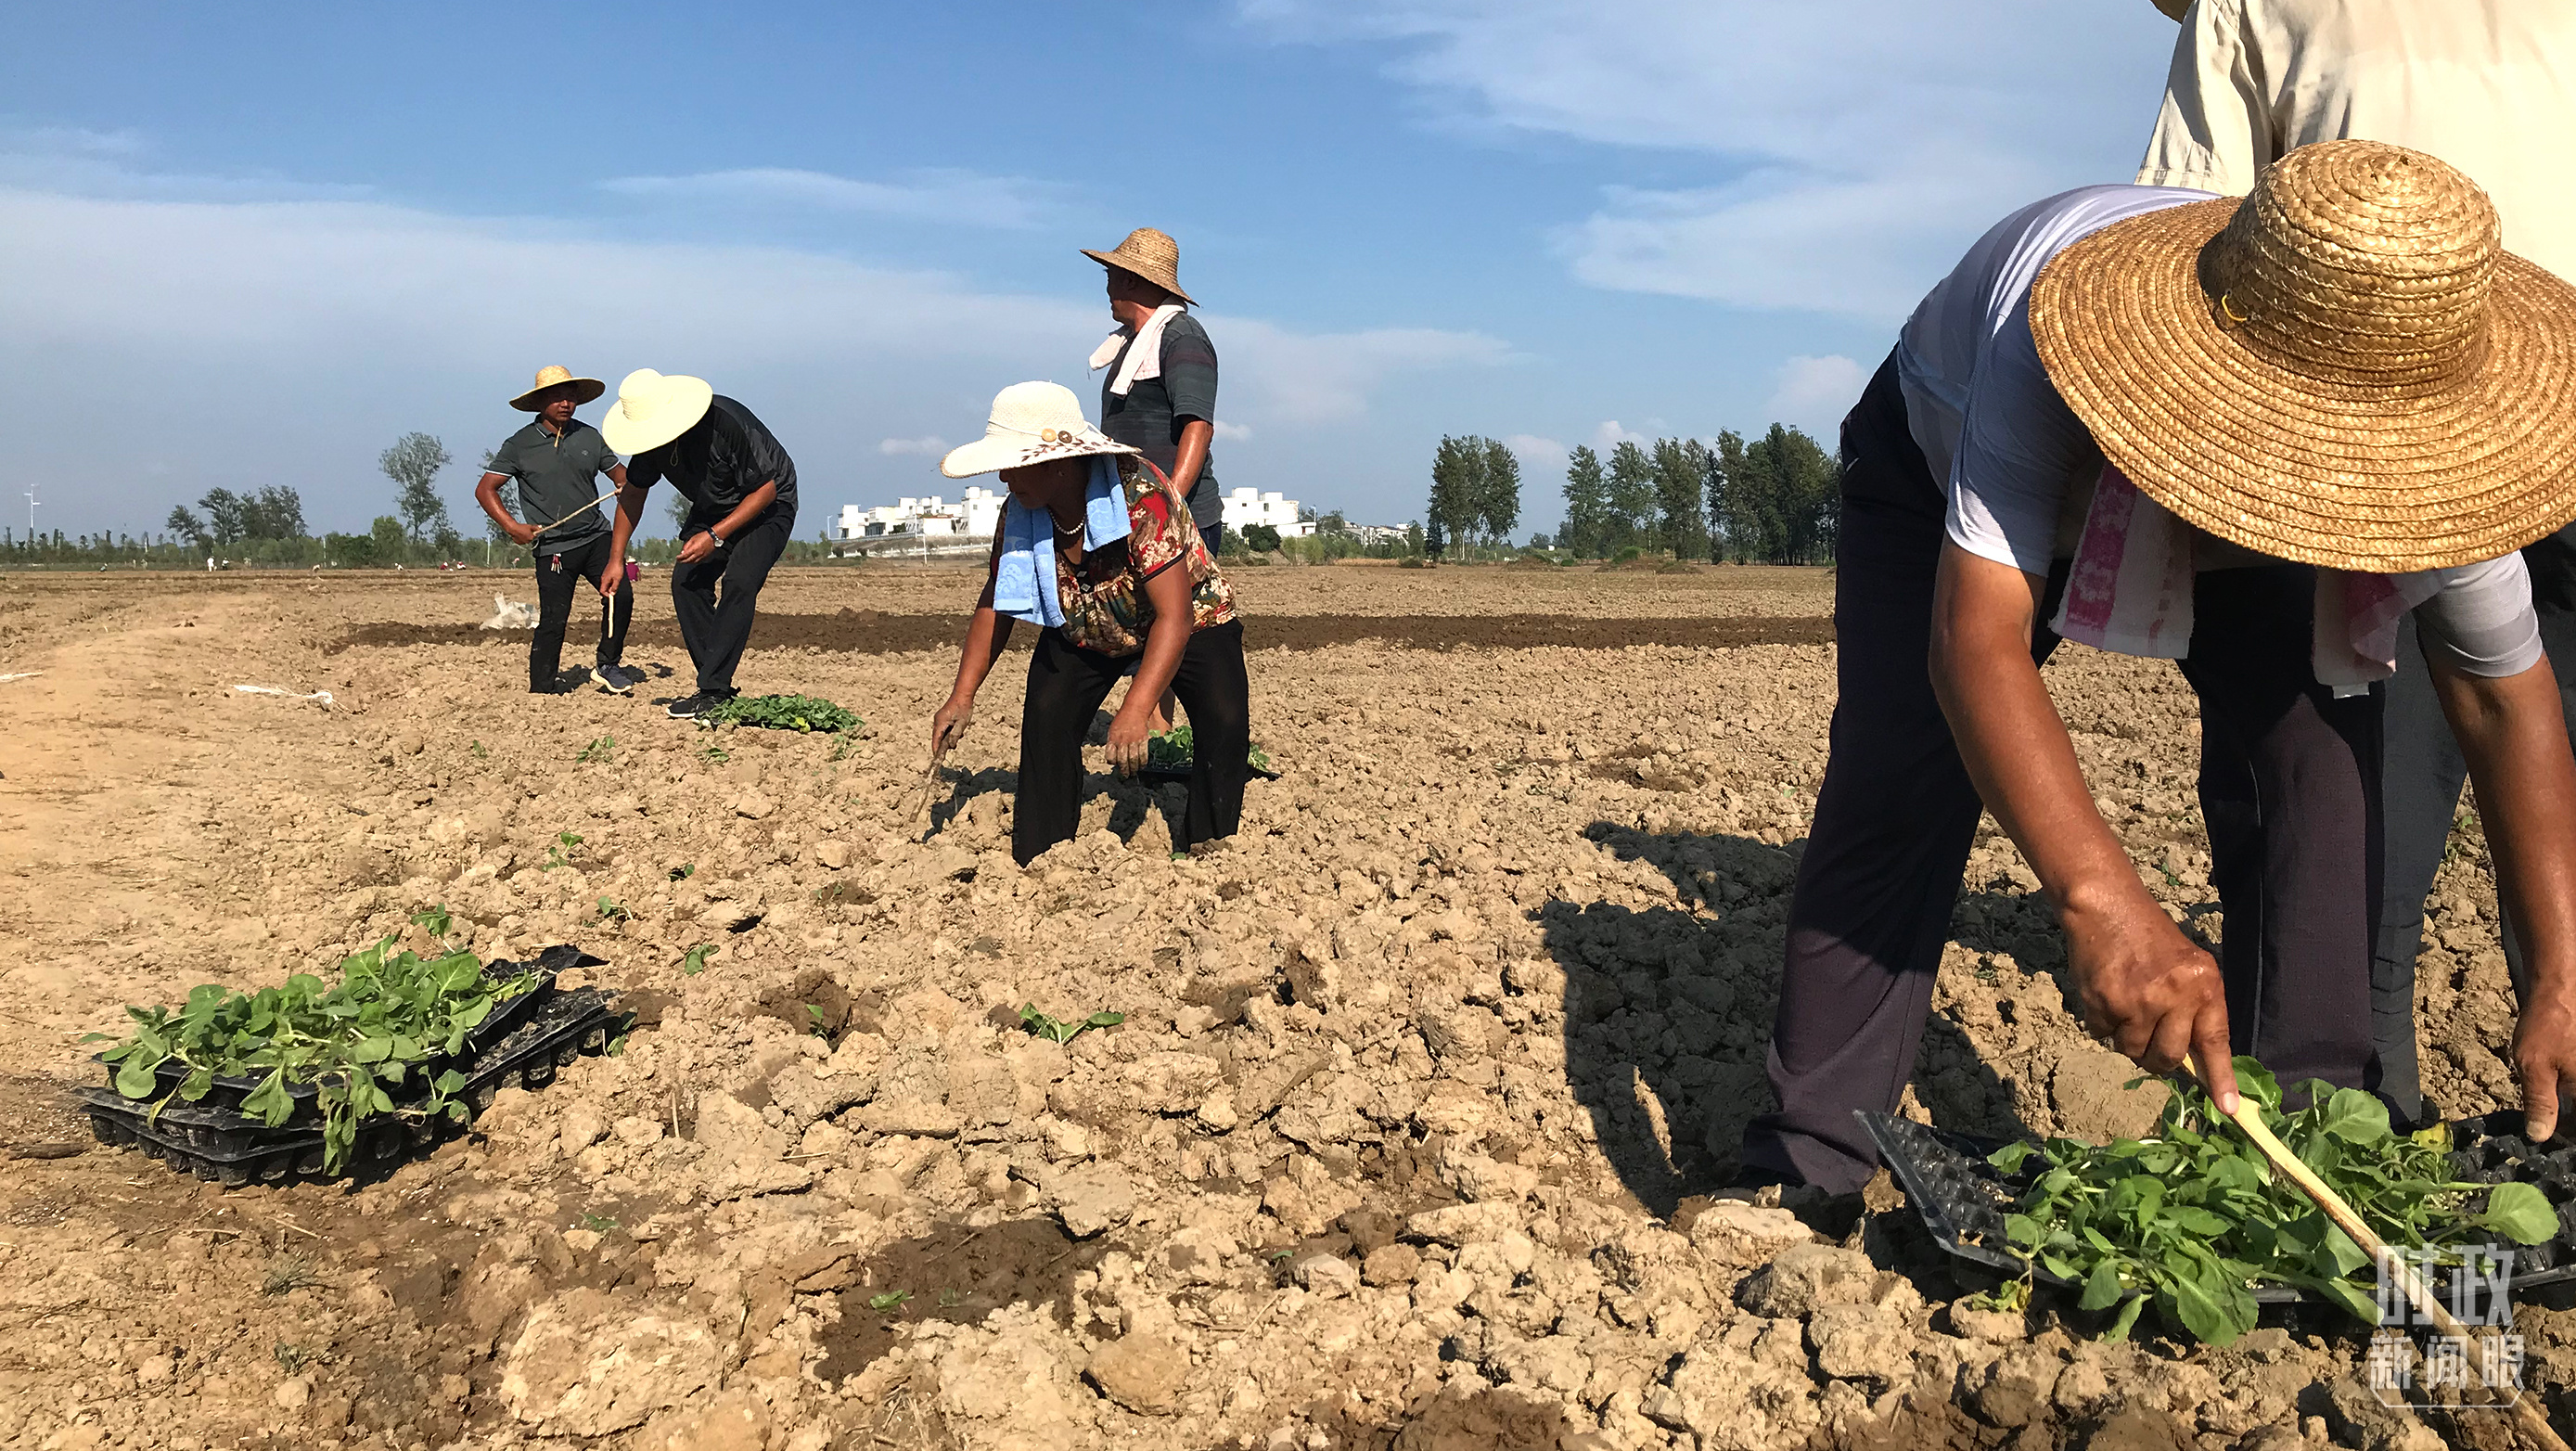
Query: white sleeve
2214,131
2020,449
2482,622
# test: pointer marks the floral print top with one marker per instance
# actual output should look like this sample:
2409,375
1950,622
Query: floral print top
1105,605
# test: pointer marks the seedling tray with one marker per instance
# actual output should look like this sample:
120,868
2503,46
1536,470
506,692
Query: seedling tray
1963,1199
220,1146
227,1092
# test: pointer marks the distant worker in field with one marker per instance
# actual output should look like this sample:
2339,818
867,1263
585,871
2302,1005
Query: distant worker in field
741,488
1096,550
556,460
2246,436
2490,87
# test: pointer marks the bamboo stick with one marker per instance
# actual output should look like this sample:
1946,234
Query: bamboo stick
2527,1412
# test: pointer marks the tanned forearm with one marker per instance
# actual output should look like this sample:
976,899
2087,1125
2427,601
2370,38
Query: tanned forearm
2514,736
1191,456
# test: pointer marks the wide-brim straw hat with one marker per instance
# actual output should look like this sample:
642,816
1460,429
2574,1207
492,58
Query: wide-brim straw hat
2344,369
1031,423
1151,255
652,409
2173,9
552,377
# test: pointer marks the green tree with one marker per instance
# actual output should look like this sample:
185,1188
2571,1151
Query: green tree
225,523
1498,497
392,542
1634,503
1413,538
189,528
1809,496
1587,502
413,464
1681,474
1739,498
1457,484
275,512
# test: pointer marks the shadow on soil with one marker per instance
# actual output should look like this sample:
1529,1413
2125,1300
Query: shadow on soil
1668,1010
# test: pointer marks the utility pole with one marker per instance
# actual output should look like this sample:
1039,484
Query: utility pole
31,511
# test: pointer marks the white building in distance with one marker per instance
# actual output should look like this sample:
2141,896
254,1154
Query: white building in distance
1247,507
1377,533
914,521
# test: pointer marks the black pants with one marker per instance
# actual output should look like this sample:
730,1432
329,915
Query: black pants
1897,814
1067,684
560,577
2420,784
717,630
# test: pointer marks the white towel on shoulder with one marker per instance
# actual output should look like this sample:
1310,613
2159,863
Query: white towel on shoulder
1145,360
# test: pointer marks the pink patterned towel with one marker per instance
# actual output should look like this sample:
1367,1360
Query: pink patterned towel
2130,592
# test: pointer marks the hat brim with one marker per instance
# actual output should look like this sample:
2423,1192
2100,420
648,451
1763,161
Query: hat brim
591,388
2298,467
2173,9
1162,277
683,401
1002,450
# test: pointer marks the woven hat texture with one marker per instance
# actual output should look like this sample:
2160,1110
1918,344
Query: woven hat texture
1151,255
1030,423
2344,369
652,409
548,377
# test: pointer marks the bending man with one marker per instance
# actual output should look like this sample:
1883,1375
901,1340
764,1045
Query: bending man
741,488
2270,427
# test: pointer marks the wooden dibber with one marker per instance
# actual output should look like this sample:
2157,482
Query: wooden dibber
2527,1412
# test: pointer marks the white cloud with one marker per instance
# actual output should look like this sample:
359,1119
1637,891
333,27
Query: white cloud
1232,432
929,445
1612,433
1536,450
960,197
1814,393
1857,146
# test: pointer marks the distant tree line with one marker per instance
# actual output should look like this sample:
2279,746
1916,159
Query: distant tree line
1475,494
1771,500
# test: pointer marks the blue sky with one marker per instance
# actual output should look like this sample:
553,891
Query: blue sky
253,244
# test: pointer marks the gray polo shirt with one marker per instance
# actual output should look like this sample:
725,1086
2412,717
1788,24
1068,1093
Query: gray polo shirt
1154,411
557,475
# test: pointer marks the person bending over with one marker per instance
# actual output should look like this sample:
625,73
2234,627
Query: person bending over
1097,549
741,488
2247,436
554,459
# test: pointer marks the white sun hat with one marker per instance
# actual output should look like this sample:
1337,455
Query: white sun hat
651,410
1031,423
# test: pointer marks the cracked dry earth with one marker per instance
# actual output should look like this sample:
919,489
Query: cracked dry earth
1403,1142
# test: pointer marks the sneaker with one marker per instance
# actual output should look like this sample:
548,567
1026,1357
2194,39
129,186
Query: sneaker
690,707
616,679
564,683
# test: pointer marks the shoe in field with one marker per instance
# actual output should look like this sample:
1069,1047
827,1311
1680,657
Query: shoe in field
690,707
616,679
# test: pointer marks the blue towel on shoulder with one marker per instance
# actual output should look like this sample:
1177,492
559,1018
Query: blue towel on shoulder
1024,586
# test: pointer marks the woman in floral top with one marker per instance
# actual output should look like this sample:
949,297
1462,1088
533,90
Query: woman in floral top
1098,549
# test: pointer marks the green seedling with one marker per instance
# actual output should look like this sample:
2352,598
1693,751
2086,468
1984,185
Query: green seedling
1057,1030
889,1301
560,854
1172,750
598,750
694,961
715,756
376,1029
291,1358
844,742
2191,1217
610,911
478,750
289,1273
684,871
815,1020
597,1223
801,713
434,920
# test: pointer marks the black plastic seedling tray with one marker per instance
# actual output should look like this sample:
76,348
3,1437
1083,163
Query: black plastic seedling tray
227,1093
1963,1199
213,1146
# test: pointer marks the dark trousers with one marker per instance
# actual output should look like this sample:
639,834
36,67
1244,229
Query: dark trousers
1066,686
716,630
2420,782
1896,816
560,577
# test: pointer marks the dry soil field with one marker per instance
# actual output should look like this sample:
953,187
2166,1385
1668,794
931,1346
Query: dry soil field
1404,1140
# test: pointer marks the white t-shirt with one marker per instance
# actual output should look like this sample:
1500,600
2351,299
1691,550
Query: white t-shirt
2487,85
2020,465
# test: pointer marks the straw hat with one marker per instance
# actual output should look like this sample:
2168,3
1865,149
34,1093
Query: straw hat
2173,9
1151,255
1031,423
651,410
2344,369
548,377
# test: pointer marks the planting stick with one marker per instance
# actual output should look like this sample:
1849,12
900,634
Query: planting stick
577,513
2249,1118
929,786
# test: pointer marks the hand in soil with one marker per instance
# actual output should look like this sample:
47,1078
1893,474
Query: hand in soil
1128,735
2148,991
2544,1060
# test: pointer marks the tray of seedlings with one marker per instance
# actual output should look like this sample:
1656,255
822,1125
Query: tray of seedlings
311,1080
2192,1220
1171,756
